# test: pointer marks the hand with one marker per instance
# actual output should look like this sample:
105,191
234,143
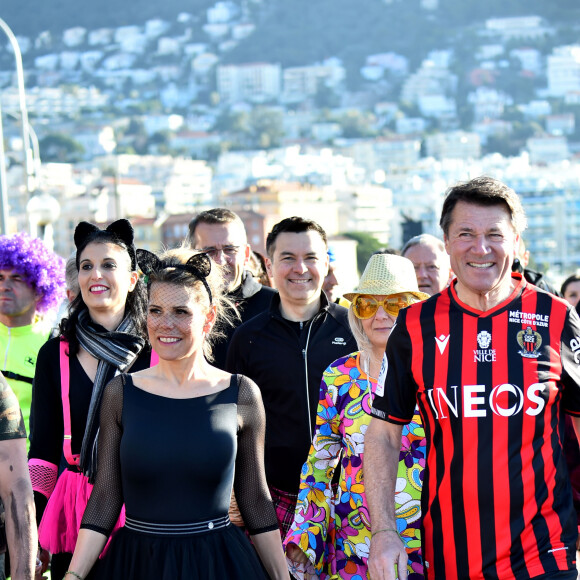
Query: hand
296,554
386,551
42,561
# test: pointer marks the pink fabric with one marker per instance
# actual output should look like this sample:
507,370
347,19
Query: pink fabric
61,521
154,358
64,388
43,476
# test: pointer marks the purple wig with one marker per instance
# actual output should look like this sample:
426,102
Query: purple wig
41,269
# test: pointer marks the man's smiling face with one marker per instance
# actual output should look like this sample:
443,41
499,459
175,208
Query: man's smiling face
298,266
481,242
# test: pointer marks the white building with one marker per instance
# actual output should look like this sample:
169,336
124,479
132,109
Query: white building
366,208
156,27
453,145
301,82
437,106
410,125
551,198
491,128
547,149
430,79
222,12
517,27
73,37
253,82
536,109
563,70
530,59
100,36
488,103
168,46
385,153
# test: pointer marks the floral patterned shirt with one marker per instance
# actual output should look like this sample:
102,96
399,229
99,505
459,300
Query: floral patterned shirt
333,530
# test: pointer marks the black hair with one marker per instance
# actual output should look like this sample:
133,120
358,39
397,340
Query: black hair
119,233
295,225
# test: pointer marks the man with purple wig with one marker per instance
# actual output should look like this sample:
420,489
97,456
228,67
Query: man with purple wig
31,286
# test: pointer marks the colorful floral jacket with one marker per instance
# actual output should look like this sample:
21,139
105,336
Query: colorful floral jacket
334,530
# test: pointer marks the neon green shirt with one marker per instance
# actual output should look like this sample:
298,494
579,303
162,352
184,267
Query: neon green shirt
19,347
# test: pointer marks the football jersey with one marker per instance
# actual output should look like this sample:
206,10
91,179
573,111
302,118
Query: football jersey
491,389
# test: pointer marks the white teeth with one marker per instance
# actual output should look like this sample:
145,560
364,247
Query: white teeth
476,265
98,288
299,281
168,339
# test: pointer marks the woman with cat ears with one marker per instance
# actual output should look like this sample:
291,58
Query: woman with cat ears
174,440
103,334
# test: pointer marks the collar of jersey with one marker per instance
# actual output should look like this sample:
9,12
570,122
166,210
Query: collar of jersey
521,284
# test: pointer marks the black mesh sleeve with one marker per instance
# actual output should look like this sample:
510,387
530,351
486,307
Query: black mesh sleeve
106,499
250,484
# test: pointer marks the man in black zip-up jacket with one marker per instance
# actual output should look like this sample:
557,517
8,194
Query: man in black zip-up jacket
286,349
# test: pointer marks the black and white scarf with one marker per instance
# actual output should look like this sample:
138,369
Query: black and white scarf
116,349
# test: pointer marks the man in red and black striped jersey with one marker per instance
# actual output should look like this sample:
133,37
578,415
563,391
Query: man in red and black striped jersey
492,363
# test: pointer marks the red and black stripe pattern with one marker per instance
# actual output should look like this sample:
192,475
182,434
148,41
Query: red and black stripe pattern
491,388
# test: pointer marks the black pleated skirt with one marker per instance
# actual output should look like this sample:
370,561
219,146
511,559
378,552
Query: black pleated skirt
218,554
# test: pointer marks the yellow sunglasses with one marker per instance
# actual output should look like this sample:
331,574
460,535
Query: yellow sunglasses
364,305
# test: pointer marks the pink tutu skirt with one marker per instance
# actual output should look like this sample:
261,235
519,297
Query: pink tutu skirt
61,521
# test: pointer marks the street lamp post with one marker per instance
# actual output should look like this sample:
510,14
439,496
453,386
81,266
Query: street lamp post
27,153
3,183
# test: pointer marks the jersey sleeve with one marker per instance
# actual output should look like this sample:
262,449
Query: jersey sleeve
106,499
250,487
395,400
312,518
570,357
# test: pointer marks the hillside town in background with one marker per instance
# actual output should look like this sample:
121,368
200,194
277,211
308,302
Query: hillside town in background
153,123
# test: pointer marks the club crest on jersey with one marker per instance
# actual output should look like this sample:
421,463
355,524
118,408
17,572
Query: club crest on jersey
484,353
530,342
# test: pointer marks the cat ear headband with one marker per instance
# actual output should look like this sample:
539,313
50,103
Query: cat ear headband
120,230
199,265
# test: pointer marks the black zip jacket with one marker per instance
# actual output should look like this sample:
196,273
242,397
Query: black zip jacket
285,364
250,298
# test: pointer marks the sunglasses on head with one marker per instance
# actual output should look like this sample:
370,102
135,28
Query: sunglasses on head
364,305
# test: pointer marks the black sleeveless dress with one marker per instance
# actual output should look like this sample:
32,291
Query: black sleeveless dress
173,462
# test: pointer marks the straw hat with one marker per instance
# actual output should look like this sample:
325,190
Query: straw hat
388,274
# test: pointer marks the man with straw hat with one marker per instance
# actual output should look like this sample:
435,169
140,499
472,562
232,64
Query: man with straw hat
492,363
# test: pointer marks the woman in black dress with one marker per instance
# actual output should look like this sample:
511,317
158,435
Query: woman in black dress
174,438
103,333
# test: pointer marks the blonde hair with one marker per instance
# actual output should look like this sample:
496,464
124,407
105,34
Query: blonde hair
170,274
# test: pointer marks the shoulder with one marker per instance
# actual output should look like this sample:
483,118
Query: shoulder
266,291
263,297
255,324
50,350
11,422
117,384
546,300
114,390
336,320
248,391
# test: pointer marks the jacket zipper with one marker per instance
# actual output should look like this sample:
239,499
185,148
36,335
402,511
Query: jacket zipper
305,357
